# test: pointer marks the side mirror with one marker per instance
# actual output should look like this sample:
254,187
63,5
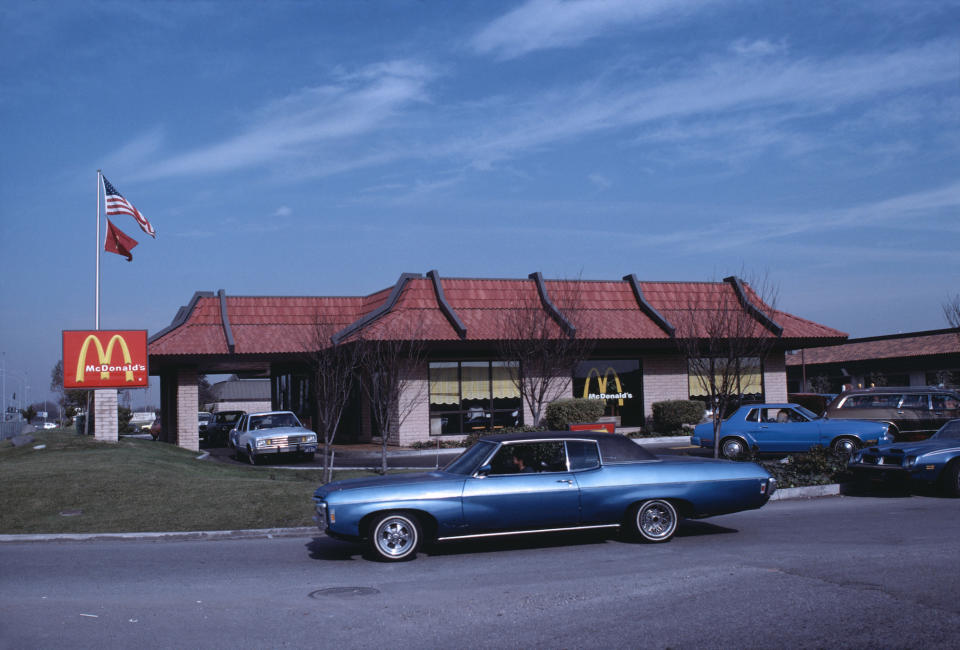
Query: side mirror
483,471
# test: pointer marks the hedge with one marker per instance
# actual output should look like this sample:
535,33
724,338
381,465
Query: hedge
670,416
563,412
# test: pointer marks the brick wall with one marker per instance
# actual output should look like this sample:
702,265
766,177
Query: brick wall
416,400
664,378
775,377
105,415
188,431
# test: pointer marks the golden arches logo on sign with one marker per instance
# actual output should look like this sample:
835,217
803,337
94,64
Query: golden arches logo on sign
602,380
129,370
104,356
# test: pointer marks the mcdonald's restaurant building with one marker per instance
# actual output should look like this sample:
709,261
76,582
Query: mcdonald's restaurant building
465,383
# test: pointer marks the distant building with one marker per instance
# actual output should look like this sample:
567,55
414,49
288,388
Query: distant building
928,358
250,395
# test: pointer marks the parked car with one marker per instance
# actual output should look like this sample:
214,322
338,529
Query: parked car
535,483
218,429
912,412
156,428
935,460
786,428
203,421
258,435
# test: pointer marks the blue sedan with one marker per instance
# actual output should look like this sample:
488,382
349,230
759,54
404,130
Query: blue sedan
787,428
934,460
508,484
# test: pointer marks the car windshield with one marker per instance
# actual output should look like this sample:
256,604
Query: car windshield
949,431
807,412
228,418
273,420
468,462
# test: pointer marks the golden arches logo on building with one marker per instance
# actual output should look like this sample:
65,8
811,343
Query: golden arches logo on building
602,380
128,371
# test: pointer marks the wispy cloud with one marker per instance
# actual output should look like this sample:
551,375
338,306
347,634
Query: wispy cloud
292,126
600,181
548,24
736,86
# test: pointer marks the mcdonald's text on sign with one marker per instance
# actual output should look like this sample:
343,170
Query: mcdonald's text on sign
105,359
602,393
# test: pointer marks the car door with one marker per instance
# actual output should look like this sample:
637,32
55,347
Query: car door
543,494
766,429
944,407
793,431
235,432
913,413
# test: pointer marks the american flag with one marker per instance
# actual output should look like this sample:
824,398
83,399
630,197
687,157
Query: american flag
116,204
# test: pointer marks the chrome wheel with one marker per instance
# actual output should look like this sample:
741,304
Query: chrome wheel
251,457
656,520
395,536
733,448
845,445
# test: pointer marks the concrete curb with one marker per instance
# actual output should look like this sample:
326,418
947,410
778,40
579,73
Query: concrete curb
259,533
809,492
682,439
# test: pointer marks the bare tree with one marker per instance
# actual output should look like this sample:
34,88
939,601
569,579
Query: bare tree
951,311
389,363
541,337
332,365
726,335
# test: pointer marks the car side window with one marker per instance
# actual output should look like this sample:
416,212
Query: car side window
945,401
583,454
529,458
915,401
753,415
872,401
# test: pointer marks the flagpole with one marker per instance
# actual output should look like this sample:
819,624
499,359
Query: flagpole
96,319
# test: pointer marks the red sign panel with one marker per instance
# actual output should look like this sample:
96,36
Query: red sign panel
105,359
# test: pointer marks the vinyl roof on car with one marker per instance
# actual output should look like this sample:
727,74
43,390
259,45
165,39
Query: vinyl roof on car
614,447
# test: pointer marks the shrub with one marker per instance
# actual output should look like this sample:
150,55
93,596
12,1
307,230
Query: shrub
670,416
564,412
819,466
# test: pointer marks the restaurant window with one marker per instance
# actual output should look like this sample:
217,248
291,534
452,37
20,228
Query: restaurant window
747,373
467,396
618,382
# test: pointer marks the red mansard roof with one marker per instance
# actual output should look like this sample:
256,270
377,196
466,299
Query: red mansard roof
460,309
892,346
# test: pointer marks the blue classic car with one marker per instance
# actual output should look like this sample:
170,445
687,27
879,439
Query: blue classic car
934,460
537,482
786,428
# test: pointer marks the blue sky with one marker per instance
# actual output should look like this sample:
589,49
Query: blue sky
323,148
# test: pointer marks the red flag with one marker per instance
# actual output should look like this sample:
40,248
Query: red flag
118,242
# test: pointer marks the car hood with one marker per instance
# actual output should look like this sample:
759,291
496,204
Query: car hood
917,448
843,426
391,482
279,431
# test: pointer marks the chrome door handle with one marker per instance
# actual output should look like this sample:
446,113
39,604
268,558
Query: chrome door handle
565,480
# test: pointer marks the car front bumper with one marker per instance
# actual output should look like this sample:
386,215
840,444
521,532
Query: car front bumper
894,473
296,448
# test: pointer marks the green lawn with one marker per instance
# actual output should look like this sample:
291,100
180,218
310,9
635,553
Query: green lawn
142,485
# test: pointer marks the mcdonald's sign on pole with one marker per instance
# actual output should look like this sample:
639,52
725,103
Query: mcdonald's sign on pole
105,359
